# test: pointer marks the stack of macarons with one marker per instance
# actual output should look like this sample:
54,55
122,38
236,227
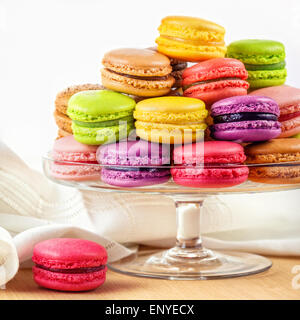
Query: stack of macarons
153,102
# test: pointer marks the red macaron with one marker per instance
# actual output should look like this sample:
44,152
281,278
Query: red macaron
215,79
210,164
68,264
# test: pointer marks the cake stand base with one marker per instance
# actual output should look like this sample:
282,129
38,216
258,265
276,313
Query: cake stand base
211,265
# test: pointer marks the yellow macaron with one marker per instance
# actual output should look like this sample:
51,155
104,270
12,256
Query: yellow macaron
190,39
170,120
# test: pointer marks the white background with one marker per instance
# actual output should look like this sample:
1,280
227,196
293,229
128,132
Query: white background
49,45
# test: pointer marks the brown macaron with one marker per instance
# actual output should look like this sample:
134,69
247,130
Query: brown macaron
61,133
62,98
284,152
62,120
139,72
178,66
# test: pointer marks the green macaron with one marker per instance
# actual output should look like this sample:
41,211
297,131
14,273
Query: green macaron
263,59
101,116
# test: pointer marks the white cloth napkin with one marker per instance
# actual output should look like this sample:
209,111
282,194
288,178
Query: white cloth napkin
32,209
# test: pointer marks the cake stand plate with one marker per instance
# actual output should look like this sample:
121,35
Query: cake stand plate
188,260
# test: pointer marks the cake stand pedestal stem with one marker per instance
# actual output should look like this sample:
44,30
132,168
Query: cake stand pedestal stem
189,246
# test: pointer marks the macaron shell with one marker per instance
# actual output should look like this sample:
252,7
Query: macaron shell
69,282
137,62
213,152
275,175
265,78
170,133
277,150
134,178
134,153
99,105
68,149
249,103
62,133
274,151
214,69
75,172
63,121
256,51
290,128
63,97
285,96
137,87
246,131
191,28
69,253
210,178
170,105
98,136
215,91
189,52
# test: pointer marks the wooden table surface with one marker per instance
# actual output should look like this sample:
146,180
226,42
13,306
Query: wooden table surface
276,283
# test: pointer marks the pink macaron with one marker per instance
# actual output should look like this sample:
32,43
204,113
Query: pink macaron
210,164
68,264
288,99
82,158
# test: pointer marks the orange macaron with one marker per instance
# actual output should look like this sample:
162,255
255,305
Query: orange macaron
139,72
271,161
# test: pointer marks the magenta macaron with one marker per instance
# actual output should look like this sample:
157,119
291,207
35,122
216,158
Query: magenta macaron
210,164
68,264
134,163
245,119
83,163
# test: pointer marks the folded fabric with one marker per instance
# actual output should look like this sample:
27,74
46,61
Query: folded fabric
9,262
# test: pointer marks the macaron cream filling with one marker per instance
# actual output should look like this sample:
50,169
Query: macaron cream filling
274,66
100,124
209,81
148,78
72,271
244,116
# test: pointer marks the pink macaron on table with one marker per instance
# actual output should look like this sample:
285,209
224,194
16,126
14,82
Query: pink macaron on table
188,174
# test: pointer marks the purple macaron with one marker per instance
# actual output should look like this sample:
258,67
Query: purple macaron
134,163
245,119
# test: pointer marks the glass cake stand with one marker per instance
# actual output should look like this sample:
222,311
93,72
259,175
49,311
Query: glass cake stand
188,260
